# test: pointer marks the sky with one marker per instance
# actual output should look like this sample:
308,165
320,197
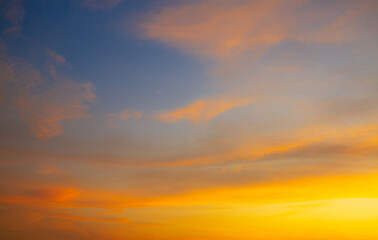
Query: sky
202,119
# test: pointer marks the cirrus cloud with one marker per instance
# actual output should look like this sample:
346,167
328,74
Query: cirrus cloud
202,110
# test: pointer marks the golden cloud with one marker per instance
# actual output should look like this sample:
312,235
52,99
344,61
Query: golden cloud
202,110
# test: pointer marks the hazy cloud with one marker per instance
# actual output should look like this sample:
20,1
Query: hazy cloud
223,29
14,12
43,104
124,115
50,171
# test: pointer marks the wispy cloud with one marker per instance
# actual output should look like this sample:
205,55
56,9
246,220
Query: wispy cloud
223,29
124,115
14,12
57,58
202,110
50,171
44,112
43,103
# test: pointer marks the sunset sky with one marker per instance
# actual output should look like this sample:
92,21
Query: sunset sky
188,119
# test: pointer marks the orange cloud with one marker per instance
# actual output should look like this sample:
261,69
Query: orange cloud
45,112
222,29
43,103
53,194
212,28
50,171
202,110
309,142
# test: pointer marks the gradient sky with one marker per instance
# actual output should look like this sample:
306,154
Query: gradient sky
202,119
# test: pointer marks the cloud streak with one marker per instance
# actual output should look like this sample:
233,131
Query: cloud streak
202,110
